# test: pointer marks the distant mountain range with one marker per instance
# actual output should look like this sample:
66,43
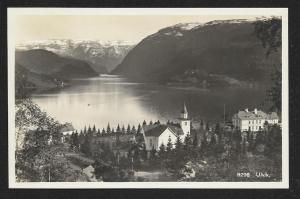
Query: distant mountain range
45,69
217,53
102,56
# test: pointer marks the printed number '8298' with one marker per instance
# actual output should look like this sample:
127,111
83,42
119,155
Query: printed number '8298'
243,175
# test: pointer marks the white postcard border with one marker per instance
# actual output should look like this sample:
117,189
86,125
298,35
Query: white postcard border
283,12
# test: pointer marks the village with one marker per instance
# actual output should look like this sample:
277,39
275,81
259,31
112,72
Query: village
156,151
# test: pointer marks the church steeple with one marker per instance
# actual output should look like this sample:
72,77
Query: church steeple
185,122
184,112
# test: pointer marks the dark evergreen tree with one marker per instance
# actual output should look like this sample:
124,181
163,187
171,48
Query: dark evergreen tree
103,131
207,126
195,139
139,129
123,129
133,131
80,140
144,123
137,156
84,130
151,122
98,132
87,144
213,140
218,130
188,144
144,152
128,129
76,140
202,125
178,159
94,129
178,144
153,153
72,140
118,129
89,129
162,151
108,130
169,146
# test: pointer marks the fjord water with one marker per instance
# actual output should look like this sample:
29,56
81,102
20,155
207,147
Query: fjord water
116,100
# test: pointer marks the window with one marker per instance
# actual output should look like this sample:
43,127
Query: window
185,123
249,122
151,142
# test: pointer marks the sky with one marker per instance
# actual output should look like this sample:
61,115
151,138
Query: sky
101,27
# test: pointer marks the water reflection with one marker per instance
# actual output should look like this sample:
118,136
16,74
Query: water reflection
117,101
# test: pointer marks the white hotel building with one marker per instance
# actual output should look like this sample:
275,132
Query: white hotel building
253,120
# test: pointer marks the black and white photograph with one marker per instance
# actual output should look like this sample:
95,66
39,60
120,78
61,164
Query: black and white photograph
148,97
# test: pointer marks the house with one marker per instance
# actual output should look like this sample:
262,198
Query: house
253,120
157,134
67,129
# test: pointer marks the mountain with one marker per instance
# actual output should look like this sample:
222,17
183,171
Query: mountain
27,79
102,56
214,53
47,63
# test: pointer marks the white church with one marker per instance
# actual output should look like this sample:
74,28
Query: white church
157,134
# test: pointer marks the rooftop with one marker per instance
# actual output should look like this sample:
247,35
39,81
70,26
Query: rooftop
256,114
157,129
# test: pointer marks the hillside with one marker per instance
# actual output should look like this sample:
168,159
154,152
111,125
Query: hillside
102,56
33,80
218,53
50,64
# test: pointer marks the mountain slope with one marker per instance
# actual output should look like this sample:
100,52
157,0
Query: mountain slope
200,52
48,63
102,56
31,80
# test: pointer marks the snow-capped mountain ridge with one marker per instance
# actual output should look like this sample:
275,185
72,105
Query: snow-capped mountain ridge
100,53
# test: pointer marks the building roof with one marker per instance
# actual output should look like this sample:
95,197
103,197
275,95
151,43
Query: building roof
250,115
156,130
177,130
273,116
67,127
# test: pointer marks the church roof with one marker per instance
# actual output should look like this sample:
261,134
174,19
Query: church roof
177,130
157,129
